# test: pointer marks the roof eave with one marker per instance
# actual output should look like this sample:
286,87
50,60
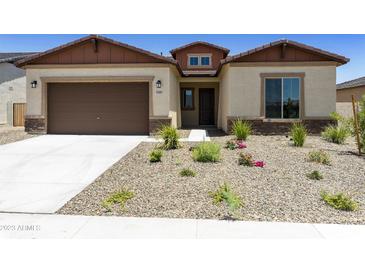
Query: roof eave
26,61
225,50
341,60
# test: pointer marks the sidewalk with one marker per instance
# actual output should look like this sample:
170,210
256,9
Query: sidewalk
69,226
196,135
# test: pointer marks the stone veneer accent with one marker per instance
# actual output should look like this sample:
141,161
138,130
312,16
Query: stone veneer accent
314,126
156,123
35,125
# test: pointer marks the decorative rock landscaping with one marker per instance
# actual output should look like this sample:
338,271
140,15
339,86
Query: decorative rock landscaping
10,135
281,191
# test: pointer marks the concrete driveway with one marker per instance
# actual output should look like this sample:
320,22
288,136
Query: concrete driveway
39,175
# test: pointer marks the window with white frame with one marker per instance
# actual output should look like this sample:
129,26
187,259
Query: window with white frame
282,98
200,60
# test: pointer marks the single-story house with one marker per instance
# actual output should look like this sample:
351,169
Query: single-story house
345,91
96,85
12,85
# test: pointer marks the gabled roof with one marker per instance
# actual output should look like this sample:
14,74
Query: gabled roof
335,57
28,60
352,83
225,50
11,57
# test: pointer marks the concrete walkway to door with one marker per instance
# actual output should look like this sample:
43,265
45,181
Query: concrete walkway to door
39,175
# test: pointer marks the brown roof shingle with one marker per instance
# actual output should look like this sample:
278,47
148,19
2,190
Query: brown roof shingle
28,60
335,57
225,50
11,57
358,82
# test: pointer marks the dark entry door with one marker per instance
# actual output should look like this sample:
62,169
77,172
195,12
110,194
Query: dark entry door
206,106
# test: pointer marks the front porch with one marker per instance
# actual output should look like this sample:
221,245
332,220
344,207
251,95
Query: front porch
199,103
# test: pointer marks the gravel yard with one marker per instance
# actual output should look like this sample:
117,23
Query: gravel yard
10,135
278,192
184,133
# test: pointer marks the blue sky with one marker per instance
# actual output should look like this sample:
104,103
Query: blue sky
351,46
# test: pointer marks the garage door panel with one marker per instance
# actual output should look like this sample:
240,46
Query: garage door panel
98,108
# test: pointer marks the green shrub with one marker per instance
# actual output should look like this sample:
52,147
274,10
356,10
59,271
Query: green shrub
344,122
170,136
120,197
207,152
336,134
155,155
299,134
339,201
225,194
230,145
187,173
319,156
241,129
315,175
245,159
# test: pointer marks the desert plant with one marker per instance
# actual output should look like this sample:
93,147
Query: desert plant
241,129
120,197
170,136
207,152
246,159
225,194
344,122
155,155
230,145
315,175
299,134
319,156
339,201
186,172
336,134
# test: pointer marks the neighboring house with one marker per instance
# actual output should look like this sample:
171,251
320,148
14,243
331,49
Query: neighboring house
345,91
96,85
12,85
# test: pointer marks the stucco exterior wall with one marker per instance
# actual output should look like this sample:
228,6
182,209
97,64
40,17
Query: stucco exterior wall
344,99
243,84
174,112
224,98
160,99
345,109
345,95
12,90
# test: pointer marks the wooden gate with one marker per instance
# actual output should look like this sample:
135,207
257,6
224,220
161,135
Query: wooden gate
18,114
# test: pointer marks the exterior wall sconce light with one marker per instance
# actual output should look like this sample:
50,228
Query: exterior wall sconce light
158,83
34,84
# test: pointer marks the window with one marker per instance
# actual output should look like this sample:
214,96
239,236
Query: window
187,99
194,61
205,61
200,60
282,97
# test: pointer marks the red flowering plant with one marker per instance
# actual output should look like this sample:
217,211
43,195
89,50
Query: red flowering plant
259,163
241,145
246,159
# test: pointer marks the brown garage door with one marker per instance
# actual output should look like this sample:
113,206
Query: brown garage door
97,108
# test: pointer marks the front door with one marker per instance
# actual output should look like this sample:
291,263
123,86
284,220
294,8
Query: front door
206,106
